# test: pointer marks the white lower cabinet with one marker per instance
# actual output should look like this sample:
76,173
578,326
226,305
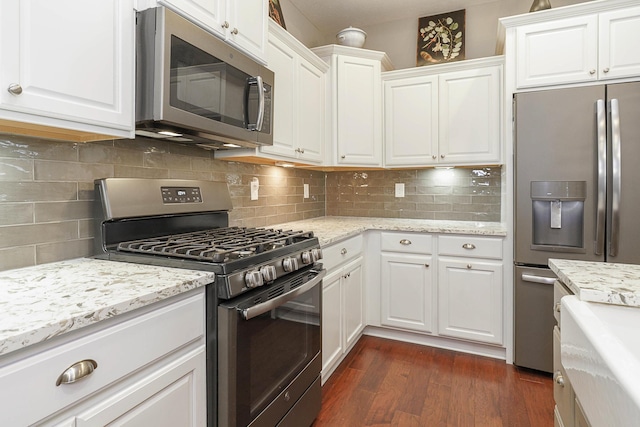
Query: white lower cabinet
148,369
343,310
407,285
343,314
470,299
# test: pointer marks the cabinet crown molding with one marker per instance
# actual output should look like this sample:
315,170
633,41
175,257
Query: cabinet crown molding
467,64
334,49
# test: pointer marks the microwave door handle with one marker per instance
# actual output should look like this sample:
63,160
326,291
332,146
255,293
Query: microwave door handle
267,306
601,118
260,119
616,163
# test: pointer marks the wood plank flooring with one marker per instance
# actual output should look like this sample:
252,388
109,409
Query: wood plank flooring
390,383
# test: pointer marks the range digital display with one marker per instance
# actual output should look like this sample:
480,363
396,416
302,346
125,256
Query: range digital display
181,195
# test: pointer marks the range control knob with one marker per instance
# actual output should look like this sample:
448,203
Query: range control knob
290,264
307,258
268,273
316,254
253,279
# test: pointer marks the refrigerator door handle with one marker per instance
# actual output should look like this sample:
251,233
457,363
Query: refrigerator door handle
601,118
538,279
616,176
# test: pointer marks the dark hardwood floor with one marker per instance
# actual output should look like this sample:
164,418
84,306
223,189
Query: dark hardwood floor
390,383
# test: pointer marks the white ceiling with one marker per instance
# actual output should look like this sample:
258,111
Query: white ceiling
331,16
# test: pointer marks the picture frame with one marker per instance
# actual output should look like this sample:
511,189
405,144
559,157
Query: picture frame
275,13
441,38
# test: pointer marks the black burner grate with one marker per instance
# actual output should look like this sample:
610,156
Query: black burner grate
217,245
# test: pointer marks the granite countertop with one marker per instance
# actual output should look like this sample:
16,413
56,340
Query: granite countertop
330,229
41,302
602,282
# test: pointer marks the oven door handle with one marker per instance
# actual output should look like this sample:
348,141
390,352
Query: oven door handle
265,307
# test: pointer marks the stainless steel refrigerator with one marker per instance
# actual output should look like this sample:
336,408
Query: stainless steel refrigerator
577,196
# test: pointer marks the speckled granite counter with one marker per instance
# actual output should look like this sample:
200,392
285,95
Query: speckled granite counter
600,281
330,229
41,302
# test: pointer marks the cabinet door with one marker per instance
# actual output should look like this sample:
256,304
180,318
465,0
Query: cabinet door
556,52
353,297
173,395
209,14
359,112
310,112
619,31
411,121
331,320
407,291
248,26
469,116
470,299
563,393
72,63
283,62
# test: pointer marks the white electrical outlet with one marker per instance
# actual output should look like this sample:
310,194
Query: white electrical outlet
306,190
399,189
255,185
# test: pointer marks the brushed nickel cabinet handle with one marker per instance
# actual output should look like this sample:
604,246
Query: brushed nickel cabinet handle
225,24
15,89
405,242
343,157
469,246
469,266
426,265
592,72
556,307
606,70
343,251
234,31
434,157
77,371
442,156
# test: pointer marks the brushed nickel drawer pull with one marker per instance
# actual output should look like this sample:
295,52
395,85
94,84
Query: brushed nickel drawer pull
405,242
343,251
469,266
77,371
469,246
558,378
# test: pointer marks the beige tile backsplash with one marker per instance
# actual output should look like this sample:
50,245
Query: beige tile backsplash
46,191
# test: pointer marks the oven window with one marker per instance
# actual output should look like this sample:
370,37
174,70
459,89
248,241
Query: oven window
272,349
204,85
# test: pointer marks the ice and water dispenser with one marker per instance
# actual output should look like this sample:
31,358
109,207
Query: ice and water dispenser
558,215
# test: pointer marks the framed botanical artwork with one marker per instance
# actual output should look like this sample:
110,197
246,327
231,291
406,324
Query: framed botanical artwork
275,12
441,38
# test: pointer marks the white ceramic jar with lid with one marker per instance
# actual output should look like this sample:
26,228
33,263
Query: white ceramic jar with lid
351,36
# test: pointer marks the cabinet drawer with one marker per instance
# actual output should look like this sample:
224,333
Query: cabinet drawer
406,242
338,253
470,246
118,350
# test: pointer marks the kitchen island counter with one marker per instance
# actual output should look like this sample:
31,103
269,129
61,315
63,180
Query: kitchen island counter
41,302
331,229
602,282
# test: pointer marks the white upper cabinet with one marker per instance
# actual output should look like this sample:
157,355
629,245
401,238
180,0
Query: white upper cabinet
355,105
469,116
443,114
619,32
68,67
299,125
411,121
242,23
575,44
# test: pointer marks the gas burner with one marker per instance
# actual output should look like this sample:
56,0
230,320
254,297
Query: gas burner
220,245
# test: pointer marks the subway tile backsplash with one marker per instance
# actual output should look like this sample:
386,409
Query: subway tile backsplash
463,194
46,191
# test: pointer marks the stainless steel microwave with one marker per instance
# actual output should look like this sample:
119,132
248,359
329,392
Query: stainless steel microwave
191,87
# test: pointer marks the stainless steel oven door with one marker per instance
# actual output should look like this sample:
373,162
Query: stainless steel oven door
269,351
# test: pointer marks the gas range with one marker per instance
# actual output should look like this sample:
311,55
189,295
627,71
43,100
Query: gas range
184,224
